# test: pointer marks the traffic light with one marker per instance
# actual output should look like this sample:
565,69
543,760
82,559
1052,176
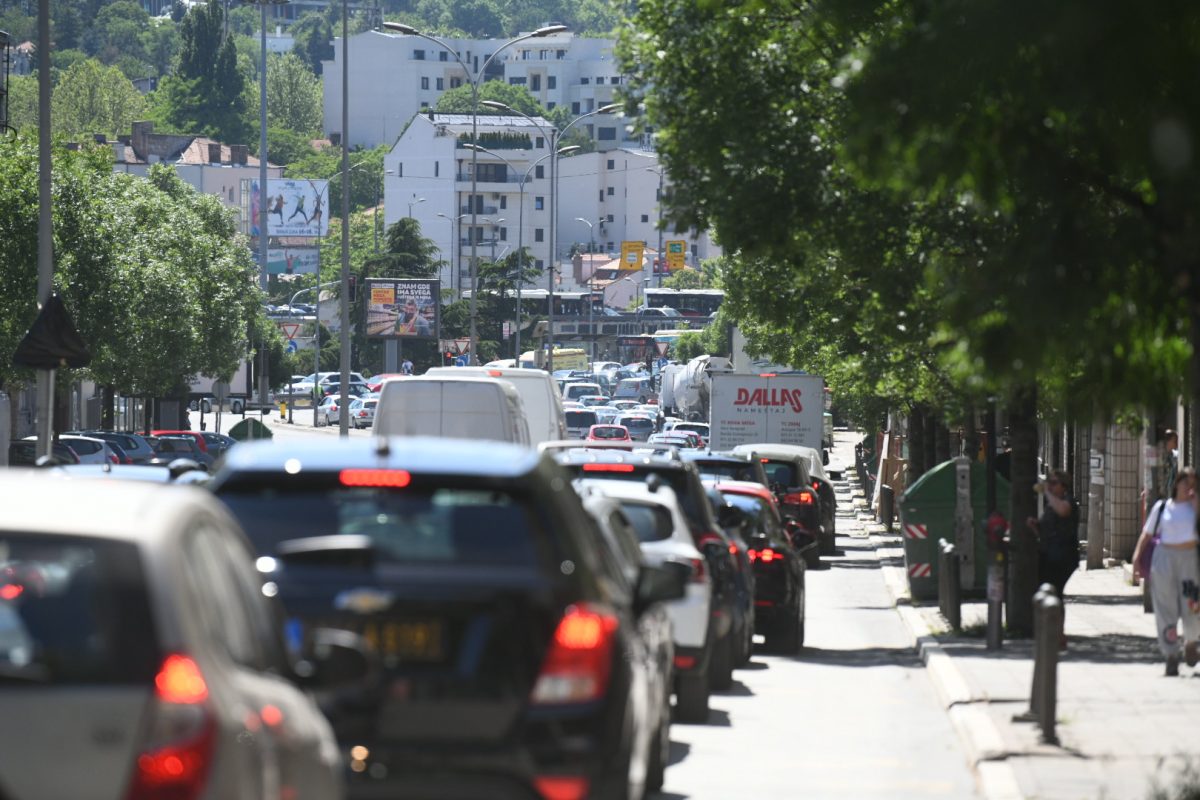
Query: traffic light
448,359
353,288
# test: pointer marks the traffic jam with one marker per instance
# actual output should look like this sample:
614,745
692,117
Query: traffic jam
513,587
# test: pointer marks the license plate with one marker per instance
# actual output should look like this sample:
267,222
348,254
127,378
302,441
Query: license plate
406,641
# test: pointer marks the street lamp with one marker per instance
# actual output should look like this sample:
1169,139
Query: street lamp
412,203
474,78
591,276
454,276
520,226
553,134
316,345
662,265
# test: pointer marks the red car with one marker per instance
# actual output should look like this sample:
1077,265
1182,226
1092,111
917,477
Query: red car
608,433
197,435
375,382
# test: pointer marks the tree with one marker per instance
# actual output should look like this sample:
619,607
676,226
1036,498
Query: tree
161,45
92,98
116,32
458,101
478,18
293,95
408,254
313,34
687,278
23,102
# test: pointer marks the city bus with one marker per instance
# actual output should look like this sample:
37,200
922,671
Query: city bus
688,302
564,358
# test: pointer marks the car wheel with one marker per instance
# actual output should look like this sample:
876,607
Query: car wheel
236,407
720,669
619,783
660,749
691,698
747,649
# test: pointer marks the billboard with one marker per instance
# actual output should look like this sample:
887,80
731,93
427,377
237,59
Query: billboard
293,207
632,254
403,308
292,260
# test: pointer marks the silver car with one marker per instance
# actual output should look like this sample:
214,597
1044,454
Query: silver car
141,654
362,411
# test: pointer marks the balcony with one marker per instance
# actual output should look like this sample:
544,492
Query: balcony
480,211
464,177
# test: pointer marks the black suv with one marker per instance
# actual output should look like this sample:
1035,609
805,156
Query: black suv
731,630
508,647
723,466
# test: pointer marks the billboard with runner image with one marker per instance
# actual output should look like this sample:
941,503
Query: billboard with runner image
403,308
294,207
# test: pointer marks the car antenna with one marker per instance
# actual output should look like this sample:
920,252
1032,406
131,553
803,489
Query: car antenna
653,482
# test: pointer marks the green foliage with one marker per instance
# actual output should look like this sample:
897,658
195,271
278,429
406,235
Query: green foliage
23,102
688,279
285,146
458,101
498,140
313,35
366,175
293,95
92,98
407,253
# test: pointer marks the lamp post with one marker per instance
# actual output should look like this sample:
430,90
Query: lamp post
661,263
454,276
553,134
378,198
414,201
316,342
344,419
474,78
520,226
591,276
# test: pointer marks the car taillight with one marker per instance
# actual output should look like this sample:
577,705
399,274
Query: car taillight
608,467
733,549
699,571
766,555
559,787
175,758
579,660
799,498
816,486
113,458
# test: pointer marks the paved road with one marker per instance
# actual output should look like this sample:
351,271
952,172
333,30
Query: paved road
302,424
855,716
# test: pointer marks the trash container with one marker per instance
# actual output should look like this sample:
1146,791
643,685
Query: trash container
927,514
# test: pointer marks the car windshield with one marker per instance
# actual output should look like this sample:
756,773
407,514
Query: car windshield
640,423
783,473
580,419
756,508
608,433
73,611
652,522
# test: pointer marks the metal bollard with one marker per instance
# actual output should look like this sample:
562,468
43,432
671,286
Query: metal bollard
887,506
1051,612
949,585
996,578
1035,696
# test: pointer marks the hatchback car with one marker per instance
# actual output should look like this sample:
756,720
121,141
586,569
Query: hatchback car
639,427
330,409
608,433
722,465
141,656
136,447
510,659
87,449
362,411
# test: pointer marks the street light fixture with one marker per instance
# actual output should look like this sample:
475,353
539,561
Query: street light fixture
415,200
591,289
553,135
520,226
454,276
344,289
662,265
474,78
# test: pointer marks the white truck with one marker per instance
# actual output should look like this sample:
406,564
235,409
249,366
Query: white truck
775,407
238,394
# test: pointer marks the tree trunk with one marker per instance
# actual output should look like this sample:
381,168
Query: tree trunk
916,445
930,440
108,408
1023,560
970,433
941,442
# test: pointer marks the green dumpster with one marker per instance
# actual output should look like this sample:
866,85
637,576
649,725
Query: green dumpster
927,515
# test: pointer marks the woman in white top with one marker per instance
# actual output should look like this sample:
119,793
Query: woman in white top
1174,572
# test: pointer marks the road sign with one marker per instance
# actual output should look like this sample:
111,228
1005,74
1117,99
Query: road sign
506,329
292,346
662,347
676,255
462,345
462,361
290,329
632,254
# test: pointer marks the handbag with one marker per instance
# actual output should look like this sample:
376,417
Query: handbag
1148,551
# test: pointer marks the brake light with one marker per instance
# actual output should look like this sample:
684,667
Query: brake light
799,498
375,478
608,467
765,460
766,555
733,549
685,662
495,373
578,662
558,787
113,458
175,761
11,591
767,375
699,571
816,486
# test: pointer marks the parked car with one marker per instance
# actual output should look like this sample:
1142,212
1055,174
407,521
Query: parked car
171,447
362,411
201,442
510,657
23,453
136,447
218,443
664,311
86,449
138,647
329,410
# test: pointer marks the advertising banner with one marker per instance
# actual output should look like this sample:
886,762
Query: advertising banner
769,408
632,254
292,260
293,207
403,308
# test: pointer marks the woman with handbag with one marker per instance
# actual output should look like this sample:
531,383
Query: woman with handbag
1166,555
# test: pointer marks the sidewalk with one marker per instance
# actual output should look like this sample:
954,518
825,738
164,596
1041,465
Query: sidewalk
1122,725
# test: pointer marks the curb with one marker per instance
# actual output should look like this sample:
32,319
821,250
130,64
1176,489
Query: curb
978,733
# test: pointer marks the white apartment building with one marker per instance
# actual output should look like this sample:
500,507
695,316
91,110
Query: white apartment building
393,76
428,174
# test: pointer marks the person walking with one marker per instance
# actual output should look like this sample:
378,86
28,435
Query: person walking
1174,571
1057,534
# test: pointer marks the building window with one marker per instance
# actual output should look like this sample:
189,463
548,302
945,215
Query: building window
399,169
443,56
436,165
585,81
539,203
575,107
591,105
441,84
539,264
539,142
600,80
601,196
539,171
504,234
611,192
538,234
551,81
542,55
424,83
609,218
418,55
607,134
503,201
535,83
611,248
560,54
612,164
493,173
615,80
455,83
551,105
517,81
645,217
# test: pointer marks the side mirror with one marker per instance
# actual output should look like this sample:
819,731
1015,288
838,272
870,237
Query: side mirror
661,584
729,517
801,539
824,457
333,658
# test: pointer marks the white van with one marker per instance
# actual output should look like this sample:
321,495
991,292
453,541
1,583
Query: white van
459,408
539,395
574,391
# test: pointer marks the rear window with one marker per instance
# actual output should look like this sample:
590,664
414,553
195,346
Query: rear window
84,447
412,525
781,472
581,419
73,611
677,479
727,469
694,427
640,423
652,522
757,509
609,433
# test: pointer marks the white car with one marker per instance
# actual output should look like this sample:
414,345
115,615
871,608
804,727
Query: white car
329,411
141,655
664,535
695,427
89,449
362,411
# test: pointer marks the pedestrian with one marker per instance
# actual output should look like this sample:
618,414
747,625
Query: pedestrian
1057,534
1170,531
1170,460
406,368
